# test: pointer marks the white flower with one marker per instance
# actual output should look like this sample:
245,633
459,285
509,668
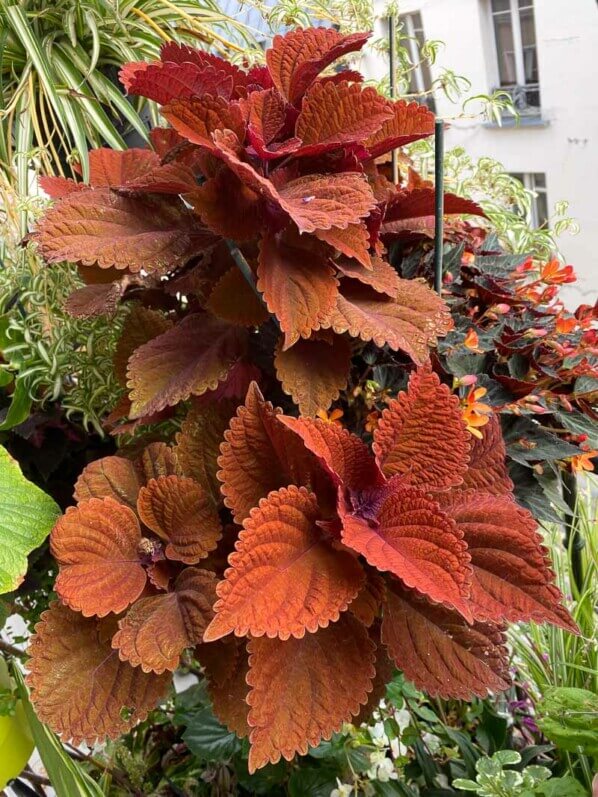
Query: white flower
432,742
377,735
397,748
386,771
403,718
342,790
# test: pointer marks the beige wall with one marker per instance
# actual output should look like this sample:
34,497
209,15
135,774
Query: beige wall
565,147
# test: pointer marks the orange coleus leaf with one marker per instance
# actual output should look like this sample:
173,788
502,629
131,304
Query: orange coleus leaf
198,444
100,227
196,119
79,687
140,326
110,477
96,545
366,606
422,436
284,578
158,459
353,242
302,690
487,469
512,579
381,276
187,360
410,322
314,202
409,122
298,286
337,114
238,220
59,187
385,669
233,300
165,82
297,58
111,168
314,371
343,454
413,539
156,630
178,510
183,53
260,455
226,666
441,653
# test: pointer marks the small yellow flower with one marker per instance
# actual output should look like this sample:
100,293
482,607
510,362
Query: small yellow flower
475,412
332,417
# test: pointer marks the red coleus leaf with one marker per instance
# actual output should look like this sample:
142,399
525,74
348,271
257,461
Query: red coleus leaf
156,630
79,687
234,300
99,227
336,114
314,371
411,322
298,286
385,669
302,690
422,436
97,547
439,652
512,579
237,220
353,242
140,326
381,276
164,82
59,187
197,119
187,360
487,469
409,122
267,118
94,300
284,578
198,444
314,202
412,538
111,168
367,605
345,456
260,455
226,666
407,208
178,510
296,59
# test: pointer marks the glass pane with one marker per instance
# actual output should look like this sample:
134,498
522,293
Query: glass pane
505,50
528,39
500,5
542,208
539,180
416,20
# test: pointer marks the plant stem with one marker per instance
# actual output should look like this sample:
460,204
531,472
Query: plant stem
244,268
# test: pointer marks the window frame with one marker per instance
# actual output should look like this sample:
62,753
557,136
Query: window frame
513,12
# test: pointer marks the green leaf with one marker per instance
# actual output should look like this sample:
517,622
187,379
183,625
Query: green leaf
27,515
16,744
466,748
465,785
528,442
267,780
569,718
207,739
315,782
18,410
561,787
578,423
68,778
507,758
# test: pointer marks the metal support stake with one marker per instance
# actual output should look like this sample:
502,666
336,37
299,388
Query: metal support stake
573,540
392,52
439,202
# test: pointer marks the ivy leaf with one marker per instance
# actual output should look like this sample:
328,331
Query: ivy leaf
569,718
27,515
207,738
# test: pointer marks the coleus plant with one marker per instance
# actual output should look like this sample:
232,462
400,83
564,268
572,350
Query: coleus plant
348,563
252,239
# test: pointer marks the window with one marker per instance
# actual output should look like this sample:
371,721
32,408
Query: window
515,38
420,79
536,182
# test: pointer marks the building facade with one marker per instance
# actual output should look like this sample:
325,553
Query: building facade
543,52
